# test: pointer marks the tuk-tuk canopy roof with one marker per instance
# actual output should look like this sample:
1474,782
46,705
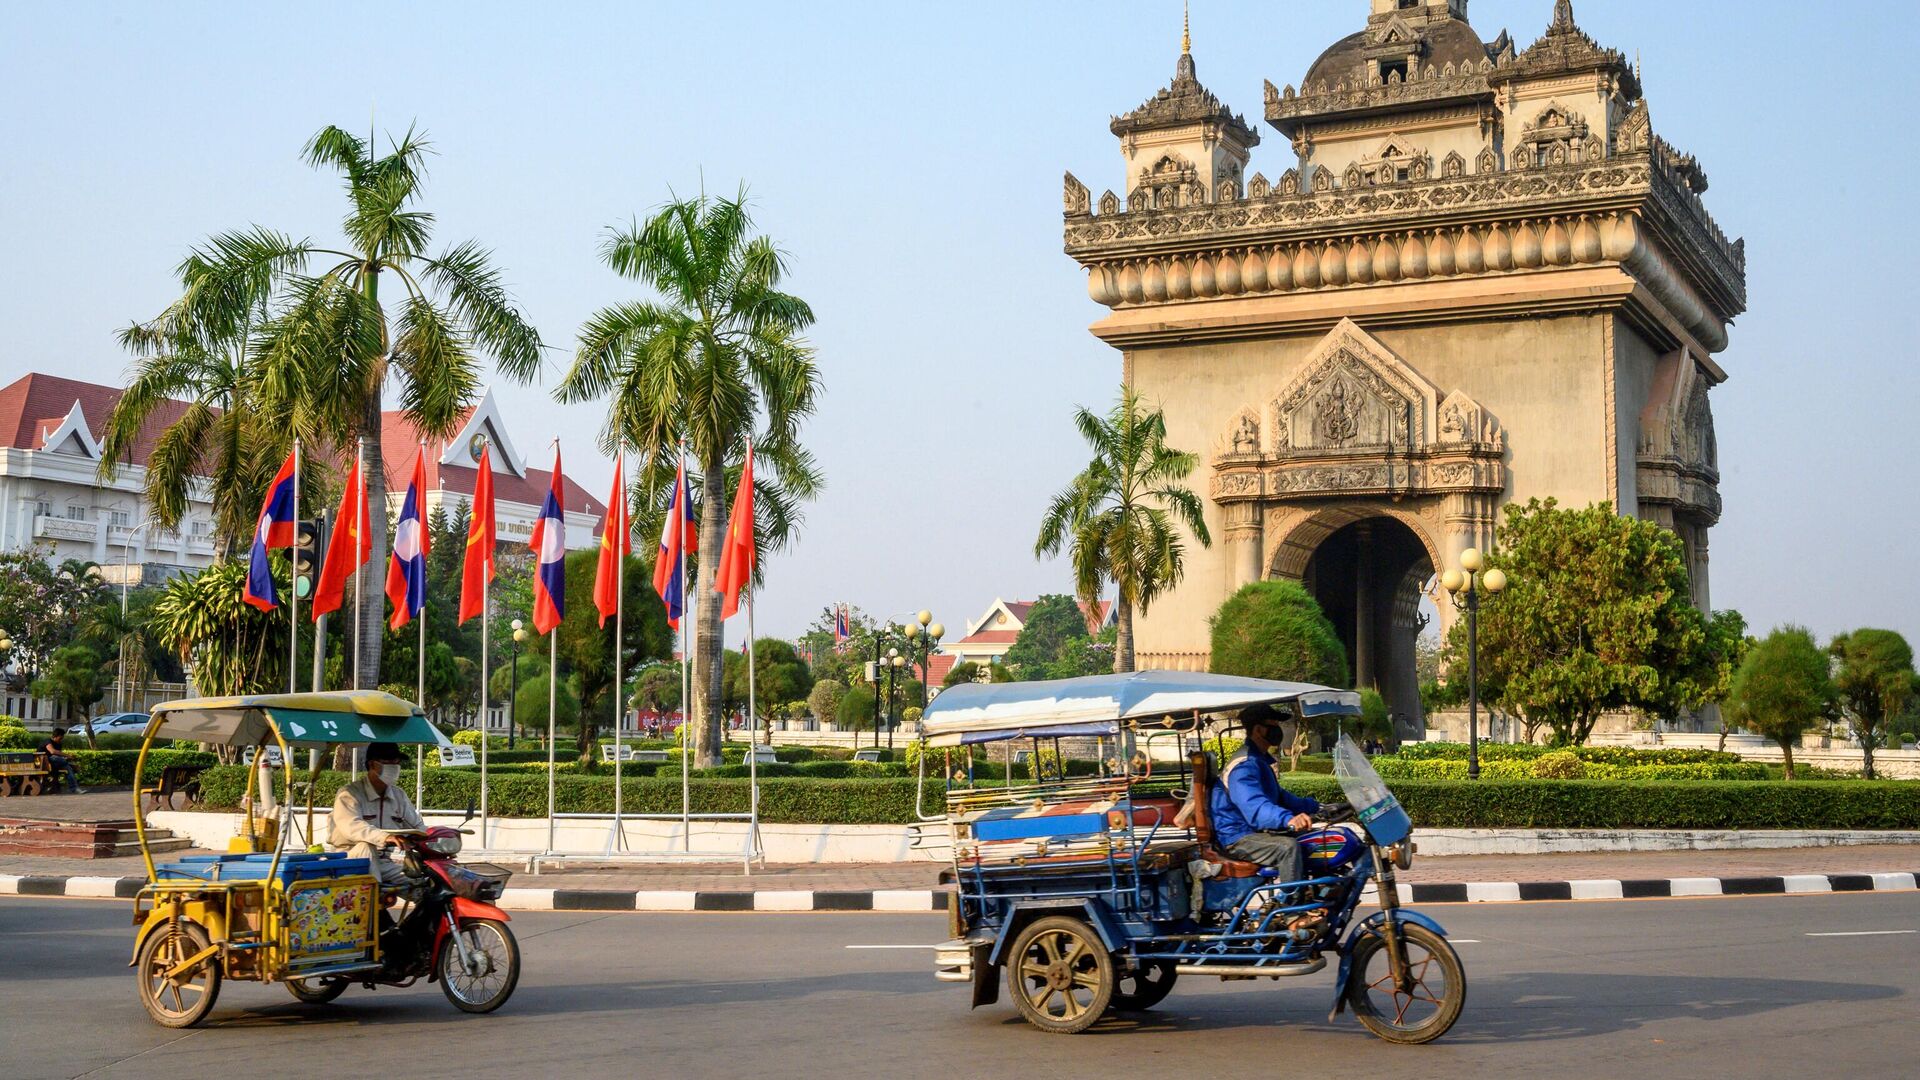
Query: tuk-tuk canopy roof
304,720
1101,704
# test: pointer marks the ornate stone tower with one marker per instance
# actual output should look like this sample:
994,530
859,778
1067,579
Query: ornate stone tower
1481,277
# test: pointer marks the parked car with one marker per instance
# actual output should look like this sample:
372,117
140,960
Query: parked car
120,723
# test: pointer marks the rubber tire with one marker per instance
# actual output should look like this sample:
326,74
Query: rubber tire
329,989
449,955
149,949
1154,980
1372,945
1104,972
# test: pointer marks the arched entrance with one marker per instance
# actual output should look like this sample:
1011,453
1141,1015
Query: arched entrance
1366,570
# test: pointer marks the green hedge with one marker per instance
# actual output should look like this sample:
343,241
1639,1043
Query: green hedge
114,768
1521,769
1523,804
808,801
1598,755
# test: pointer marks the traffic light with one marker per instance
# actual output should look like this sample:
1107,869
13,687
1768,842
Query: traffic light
309,551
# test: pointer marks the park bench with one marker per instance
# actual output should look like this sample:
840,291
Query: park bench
183,780
624,753
760,754
869,754
649,755
24,772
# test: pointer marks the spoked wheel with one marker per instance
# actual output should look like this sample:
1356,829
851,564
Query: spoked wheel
317,991
480,977
184,1000
1144,985
1061,977
1428,1008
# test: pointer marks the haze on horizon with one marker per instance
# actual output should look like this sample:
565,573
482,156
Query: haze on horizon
908,159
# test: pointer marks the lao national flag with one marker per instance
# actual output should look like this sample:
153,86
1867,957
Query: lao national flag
606,583
737,550
407,569
677,537
840,631
275,529
549,543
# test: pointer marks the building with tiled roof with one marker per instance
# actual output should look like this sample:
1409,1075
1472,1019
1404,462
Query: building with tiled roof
990,636
51,493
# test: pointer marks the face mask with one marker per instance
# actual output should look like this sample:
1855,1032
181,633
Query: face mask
390,774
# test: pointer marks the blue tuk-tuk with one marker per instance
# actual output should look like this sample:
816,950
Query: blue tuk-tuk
1096,885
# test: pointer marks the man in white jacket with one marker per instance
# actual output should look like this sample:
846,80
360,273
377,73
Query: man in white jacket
366,812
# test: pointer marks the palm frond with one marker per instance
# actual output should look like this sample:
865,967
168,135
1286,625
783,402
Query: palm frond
474,293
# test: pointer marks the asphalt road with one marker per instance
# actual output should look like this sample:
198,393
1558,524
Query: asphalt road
1669,988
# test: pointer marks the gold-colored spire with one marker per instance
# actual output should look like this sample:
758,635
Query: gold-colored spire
1186,29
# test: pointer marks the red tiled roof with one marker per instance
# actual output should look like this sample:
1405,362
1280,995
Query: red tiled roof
400,440
991,637
937,667
33,406
1019,609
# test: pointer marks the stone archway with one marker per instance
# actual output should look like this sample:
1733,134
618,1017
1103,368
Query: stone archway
1366,565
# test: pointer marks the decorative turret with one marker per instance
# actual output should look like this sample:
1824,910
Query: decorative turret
1183,145
1566,49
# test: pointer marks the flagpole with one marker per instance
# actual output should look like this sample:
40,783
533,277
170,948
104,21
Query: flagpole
486,618
360,568
686,652
420,652
753,746
619,514
293,589
553,654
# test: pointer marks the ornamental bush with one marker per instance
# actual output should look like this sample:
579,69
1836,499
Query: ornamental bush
1275,630
18,738
1448,804
1592,755
114,768
1559,765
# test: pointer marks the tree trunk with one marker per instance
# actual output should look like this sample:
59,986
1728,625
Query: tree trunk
1868,737
1786,748
366,675
709,641
1122,635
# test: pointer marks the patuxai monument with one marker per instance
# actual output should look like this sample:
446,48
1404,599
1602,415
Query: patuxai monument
1473,272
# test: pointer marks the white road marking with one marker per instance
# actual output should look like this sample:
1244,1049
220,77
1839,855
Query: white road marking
893,946
1861,933
1464,940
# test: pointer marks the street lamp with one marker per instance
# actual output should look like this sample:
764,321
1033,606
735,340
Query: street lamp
513,681
1464,585
893,664
927,634
126,571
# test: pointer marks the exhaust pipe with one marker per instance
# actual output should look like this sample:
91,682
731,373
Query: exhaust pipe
1253,971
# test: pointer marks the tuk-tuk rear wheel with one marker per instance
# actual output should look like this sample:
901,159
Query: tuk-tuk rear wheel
1144,985
316,991
182,1002
1060,975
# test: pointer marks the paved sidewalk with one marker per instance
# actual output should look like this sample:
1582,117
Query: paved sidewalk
722,886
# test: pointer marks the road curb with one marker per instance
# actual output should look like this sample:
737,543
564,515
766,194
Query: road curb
916,900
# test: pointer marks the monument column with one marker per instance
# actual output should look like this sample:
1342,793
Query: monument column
1243,536
1363,614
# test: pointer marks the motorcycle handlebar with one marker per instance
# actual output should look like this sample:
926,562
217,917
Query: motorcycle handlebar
1334,813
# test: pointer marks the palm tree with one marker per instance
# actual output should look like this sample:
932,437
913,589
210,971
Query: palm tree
318,365
714,358
1118,517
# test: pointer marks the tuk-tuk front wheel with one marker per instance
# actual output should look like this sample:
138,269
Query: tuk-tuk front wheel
480,977
184,1000
316,991
1060,975
1424,1011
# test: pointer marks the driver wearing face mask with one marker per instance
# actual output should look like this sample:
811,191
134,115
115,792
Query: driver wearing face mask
368,809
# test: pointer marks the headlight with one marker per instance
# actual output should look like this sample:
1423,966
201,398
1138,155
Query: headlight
444,845
1401,854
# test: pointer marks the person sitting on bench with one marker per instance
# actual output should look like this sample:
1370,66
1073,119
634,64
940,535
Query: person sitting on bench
58,762
1254,818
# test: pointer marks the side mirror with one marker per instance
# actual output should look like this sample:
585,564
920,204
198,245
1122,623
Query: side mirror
469,816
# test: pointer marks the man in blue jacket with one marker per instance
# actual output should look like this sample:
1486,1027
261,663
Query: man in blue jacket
1254,818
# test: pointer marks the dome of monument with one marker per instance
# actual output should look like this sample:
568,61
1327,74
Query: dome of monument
1448,41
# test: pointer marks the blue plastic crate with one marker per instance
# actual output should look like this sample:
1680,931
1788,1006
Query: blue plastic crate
300,866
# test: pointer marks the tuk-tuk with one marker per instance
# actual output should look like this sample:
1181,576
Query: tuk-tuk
306,917
1099,884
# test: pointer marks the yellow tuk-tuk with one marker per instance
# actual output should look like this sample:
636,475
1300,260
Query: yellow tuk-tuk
261,913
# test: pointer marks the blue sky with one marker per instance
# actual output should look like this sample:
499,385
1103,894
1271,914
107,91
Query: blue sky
908,157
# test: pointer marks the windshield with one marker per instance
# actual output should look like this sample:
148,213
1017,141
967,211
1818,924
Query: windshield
1373,804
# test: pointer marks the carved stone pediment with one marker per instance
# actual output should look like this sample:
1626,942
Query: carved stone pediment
1677,451
1353,395
1464,420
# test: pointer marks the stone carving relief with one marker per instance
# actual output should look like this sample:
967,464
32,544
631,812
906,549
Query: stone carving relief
1353,394
1109,203
1258,188
1678,467
1322,179
1486,164
1463,420
1453,166
1290,182
1245,438
1558,136
1636,131
1078,199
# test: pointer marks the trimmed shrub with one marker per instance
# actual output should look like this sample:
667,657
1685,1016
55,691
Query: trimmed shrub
18,738
1275,630
1559,765
114,768
1592,755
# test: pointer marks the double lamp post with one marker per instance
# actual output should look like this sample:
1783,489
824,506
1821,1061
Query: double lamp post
922,633
1464,585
